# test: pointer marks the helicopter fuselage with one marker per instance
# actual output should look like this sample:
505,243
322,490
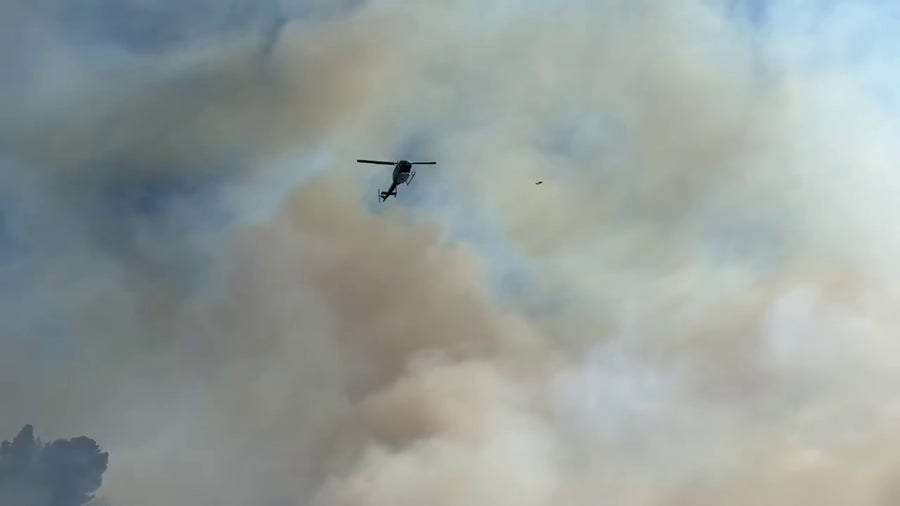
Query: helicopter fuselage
402,172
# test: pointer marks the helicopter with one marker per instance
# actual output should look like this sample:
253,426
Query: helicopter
403,173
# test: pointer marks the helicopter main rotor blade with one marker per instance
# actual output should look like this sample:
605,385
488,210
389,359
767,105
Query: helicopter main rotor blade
378,162
423,163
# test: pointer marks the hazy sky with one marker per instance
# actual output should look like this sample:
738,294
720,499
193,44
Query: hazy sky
696,307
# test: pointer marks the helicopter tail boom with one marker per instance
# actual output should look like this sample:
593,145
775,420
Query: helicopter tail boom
391,192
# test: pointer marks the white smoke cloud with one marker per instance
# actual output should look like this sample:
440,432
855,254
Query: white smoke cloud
707,315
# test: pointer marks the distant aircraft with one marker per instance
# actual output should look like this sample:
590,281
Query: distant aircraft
403,173
539,182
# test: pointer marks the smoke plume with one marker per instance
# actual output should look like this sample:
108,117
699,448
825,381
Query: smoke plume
696,307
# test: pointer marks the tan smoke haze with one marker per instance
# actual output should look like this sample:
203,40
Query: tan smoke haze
697,307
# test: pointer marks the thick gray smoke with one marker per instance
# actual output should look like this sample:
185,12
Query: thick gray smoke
695,308
61,473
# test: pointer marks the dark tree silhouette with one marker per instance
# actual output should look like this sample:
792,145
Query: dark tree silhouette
65,472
